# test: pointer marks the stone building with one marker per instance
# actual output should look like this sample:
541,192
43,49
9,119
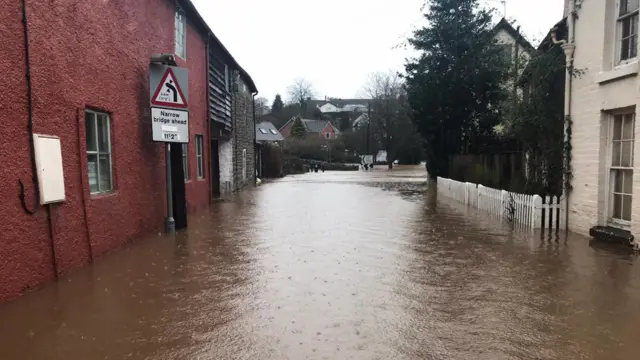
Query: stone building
244,172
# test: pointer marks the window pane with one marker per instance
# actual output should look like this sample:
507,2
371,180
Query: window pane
90,133
626,207
200,169
103,133
615,156
626,27
92,167
627,154
627,6
617,206
104,178
617,127
627,127
633,46
618,181
624,49
627,183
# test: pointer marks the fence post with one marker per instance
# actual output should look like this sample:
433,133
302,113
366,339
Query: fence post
479,195
503,201
537,212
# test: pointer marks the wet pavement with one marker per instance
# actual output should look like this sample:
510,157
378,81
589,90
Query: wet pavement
338,266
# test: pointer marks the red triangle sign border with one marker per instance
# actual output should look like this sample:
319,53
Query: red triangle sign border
178,88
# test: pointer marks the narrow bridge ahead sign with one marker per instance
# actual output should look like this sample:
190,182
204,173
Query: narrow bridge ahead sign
169,92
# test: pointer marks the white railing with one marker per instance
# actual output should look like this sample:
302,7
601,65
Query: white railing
526,211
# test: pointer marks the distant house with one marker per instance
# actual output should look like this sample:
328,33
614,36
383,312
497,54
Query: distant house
320,128
342,112
266,132
267,139
515,45
516,48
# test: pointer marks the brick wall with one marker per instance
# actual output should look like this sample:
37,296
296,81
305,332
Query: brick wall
85,63
244,134
592,101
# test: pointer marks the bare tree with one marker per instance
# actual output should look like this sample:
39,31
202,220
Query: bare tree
391,126
300,91
262,106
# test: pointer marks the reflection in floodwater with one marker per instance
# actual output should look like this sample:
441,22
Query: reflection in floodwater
338,266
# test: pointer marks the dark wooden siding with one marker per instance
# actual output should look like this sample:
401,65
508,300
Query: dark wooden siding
219,98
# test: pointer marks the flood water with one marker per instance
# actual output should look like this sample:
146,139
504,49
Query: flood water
338,266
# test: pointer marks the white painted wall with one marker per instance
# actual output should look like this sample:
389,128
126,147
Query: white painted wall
225,154
328,108
592,101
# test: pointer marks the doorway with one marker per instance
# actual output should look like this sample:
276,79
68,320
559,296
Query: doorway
177,182
215,170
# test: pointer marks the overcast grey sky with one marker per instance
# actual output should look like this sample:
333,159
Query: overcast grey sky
335,44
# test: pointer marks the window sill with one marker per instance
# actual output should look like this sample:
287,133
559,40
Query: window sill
621,225
98,196
618,72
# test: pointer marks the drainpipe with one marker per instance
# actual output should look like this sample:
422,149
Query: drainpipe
208,118
255,143
569,49
32,152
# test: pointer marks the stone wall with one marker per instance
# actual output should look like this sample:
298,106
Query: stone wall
244,134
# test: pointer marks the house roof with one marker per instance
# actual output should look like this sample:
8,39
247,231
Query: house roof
267,132
340,103
547,43
504,25
362,119
188,5
313,126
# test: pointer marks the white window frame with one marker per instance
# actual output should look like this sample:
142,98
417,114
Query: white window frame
244,164
616,170
185,162
98,152
619,23
180,33
200,156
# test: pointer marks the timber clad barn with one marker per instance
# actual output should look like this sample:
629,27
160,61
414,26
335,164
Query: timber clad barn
88,64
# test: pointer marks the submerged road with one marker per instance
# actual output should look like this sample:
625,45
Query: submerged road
338,266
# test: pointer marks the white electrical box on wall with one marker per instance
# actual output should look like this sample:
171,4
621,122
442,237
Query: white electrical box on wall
49,166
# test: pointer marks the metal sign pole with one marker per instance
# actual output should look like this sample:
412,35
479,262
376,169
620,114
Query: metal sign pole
171,222
169,95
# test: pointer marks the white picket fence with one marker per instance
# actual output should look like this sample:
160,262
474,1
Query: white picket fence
525,211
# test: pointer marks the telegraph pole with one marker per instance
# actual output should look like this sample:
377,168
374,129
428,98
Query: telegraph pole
368,126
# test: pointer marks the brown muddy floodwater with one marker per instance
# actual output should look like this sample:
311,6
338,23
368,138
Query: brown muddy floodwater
338,266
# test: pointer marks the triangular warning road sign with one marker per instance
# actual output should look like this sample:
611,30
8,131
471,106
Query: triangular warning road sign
169,93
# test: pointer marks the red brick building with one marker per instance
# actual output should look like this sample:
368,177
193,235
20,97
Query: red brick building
314,128
88,64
